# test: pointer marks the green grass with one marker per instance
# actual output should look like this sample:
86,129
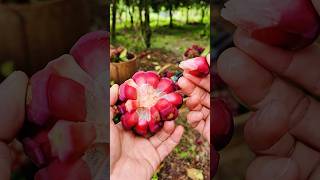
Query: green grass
175,39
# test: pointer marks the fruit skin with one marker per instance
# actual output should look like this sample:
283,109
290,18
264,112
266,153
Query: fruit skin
222,124
146,101
291,24
57,170
214,162
198,66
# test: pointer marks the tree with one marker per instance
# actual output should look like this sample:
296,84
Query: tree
114,19
147,23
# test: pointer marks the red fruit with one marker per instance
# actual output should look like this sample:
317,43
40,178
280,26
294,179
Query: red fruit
91,52
290,24
197,66
129,120
57,170
66,98
167,110
69,140
154,102
127,92
166,85
214,162
217,82
222,124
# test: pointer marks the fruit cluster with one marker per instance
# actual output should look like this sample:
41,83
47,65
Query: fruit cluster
65,107
291,24
193,51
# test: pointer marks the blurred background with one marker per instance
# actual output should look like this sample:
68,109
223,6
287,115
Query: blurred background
34,32
156,35
236,157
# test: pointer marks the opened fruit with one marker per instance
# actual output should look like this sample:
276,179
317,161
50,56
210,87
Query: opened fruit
146,101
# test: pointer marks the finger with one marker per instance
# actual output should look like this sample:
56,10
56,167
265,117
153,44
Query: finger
315,174
114,90
271,167
162,135
316,4
12,106
194,117
288,64
245,77
168,145
186,86
258,88
208,59
201,82
5,161
306,158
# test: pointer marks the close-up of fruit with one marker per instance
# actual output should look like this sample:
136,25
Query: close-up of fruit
146,101
65,108
193,51
197,66
290,24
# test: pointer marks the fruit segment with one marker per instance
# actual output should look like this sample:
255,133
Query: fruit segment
57,170
290,24
222,124
69,140
146,101
198,66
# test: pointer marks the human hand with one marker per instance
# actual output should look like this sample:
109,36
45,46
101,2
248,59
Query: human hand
12,110
198,90
134,157
282,87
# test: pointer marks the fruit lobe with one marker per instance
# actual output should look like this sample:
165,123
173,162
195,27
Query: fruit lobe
290,24
222,124
198,66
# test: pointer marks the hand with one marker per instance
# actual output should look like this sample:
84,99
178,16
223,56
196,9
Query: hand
283,88
134,157
12,110
198,90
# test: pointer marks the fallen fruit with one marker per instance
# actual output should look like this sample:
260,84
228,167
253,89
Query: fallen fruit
290,24
146,101
193,51
198,66
222,124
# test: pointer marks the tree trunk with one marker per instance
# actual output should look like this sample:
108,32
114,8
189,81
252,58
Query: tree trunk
187,20
158,18
140,14
114,19
147,24
131,12
171,18
202,14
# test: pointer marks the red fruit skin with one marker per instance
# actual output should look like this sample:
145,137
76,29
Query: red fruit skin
152,78
166,85
214,162
66,98
129,120
69,140
155,123
222,124
127,92
166,110
139,78
297,27
91,52
202,67
174,98
141,127
77,170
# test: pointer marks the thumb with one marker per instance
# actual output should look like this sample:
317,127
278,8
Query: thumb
316,4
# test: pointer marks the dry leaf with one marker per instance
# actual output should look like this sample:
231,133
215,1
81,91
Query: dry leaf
195,174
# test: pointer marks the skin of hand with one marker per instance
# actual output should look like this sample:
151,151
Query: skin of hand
198,91
283,89
12,111
137,158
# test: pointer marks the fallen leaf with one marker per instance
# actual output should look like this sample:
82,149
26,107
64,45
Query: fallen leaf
195,174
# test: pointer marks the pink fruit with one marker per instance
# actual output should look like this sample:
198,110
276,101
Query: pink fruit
222,124
146,101
290,24
69,140
91,53
57,170
197,66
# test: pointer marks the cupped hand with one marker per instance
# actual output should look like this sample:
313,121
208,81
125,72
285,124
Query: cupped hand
198,92
283,89
137,158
